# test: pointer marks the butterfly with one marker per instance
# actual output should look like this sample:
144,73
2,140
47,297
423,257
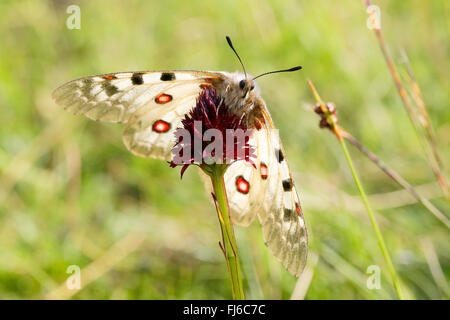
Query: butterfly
152,104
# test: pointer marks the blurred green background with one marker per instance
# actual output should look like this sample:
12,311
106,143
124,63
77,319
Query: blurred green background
71,194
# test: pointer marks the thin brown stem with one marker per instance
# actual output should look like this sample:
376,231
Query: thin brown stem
396,177
412,116
425,118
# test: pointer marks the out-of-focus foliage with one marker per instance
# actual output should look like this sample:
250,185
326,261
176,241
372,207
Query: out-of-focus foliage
71,194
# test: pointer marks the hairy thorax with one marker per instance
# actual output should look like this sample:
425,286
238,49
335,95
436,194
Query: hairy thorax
245,101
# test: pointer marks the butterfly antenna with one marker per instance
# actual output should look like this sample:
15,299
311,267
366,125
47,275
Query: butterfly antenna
277,71
232,48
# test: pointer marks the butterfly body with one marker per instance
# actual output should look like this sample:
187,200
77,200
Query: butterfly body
241,95
152,105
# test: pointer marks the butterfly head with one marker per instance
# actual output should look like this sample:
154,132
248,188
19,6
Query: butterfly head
246,85
239,90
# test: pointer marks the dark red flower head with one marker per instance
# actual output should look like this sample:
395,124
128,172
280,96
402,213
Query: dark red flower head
211,134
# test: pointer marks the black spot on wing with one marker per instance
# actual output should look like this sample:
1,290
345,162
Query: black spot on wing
109,88
287,185
87,86
279,155
136,78
287,214
167,76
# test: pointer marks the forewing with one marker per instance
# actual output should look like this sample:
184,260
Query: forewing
115,97
152,103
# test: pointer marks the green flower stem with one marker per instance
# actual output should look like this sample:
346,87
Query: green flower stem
334,128
228,246
379,236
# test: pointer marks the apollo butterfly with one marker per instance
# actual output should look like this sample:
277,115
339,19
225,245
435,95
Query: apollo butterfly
152,104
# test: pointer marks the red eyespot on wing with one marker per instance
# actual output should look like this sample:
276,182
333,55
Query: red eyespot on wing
108,77
161,126
259,123
242,185
208,80
264,171
298,209
163,98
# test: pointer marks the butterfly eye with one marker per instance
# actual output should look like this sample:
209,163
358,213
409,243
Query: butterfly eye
242,84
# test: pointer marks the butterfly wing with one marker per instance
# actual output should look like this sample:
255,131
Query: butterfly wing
282,220
151,103
243,183
271,195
